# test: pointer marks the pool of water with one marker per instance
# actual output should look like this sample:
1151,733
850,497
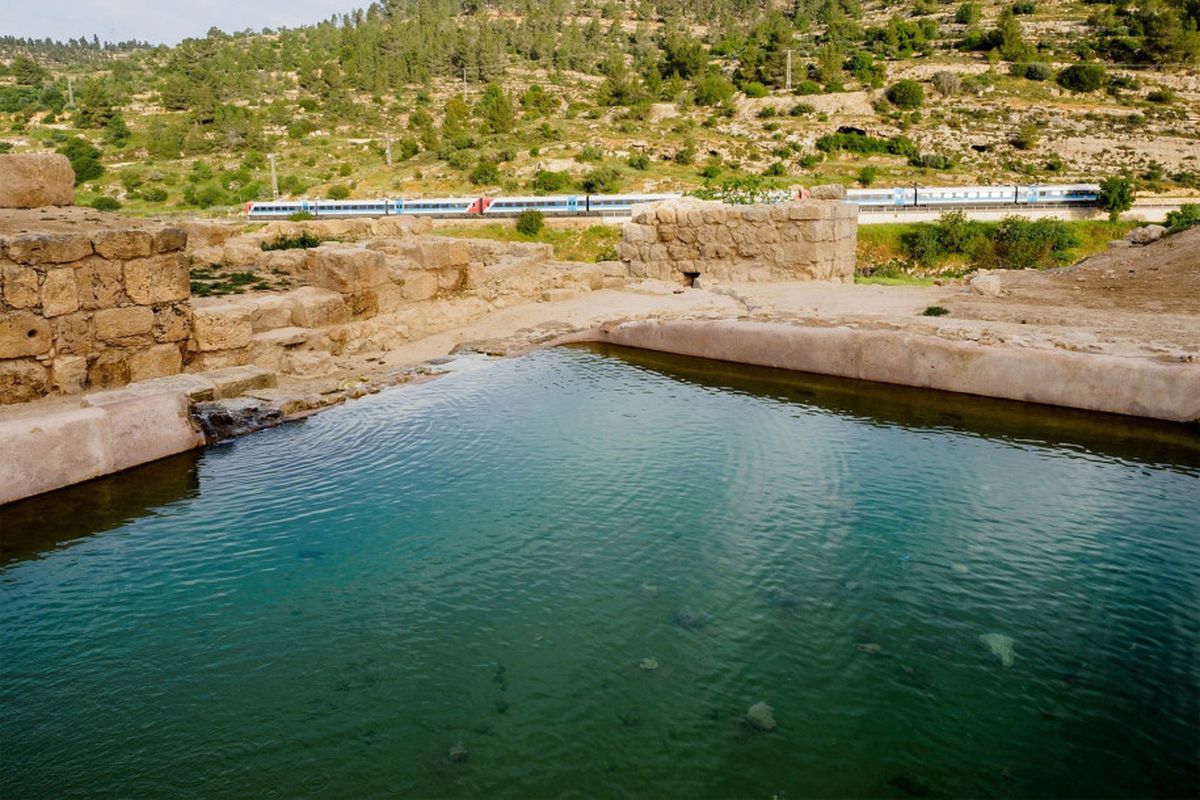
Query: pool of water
459,589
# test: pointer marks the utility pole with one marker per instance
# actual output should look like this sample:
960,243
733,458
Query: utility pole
464,84
789,70
274,178
70,93
387,138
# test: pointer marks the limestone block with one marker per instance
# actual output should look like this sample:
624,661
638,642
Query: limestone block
665,215
559,295
437,253
194,387
173,323
73,334
22,380
115,324
108,369
241,254
387,298
667,233
419,285
59,293
99,283
147,428
828,191
20,286
157,279
48,451
156,361
309,363
33,180
269,311
169,240
223,326
986,285
69,374
220,359
123,243
48,248
634,232
290,262
314,308
206,234
234,381
204,256
23,333
345,269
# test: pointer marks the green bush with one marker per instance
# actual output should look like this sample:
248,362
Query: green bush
754,89
867,175
968,14
1188,216
922,245
84,158
806,87
300,216
602,180
906,94
1082,77
866,145
1116,196
339,191
530,222
639,161
547,181
154,194
106,204
301,241
484,174
1019,243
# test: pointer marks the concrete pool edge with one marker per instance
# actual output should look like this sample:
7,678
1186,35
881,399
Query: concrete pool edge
1129,386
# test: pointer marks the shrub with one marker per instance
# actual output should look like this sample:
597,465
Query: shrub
776,170
968,14
1018,243
84,158
1082,77
530,222
339,191
867,175
931,161
806,87
935,311
1161,96
713,89
947,84
602,180
589,153
1026,138
1116,196
1024,7
685,155
800,109
922,245
106,204
299,216
484,174
906,94
1188,216
154,194
639,161
754,89
547,181
301,241
862,143
1032,72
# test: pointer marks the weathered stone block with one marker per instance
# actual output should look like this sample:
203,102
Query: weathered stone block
269,312
69,374
73,333
48,248
22,380
20,286
115,324
156,361
109,369
170,239
225,326
172,323
159,279
33,180
346,270
23,333
99,283
234,381
123,243
419,285
314,308
59,292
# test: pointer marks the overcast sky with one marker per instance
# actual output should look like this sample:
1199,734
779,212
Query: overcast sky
158,21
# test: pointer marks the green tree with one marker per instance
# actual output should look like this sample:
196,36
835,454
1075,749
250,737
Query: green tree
906,94
1116,196
496,109
27,72
968,14
1082,77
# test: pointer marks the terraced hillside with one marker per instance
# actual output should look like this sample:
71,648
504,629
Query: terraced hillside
469,97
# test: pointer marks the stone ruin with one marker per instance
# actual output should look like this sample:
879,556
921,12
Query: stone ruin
90,300
688,239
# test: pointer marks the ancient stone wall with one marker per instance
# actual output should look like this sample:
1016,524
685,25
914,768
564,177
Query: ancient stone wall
684,239
88,300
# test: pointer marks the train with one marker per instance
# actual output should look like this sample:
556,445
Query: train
1077,194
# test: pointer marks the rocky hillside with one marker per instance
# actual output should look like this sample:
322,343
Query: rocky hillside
450,97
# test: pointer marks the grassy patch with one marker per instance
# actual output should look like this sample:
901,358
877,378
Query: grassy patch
893,280
570,243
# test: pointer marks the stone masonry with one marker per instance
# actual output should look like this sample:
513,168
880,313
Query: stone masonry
88,300
686,239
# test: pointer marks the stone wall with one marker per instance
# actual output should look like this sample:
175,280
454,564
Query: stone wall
684,239
88,300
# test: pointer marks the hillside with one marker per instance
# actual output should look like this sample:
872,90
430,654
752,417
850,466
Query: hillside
516,97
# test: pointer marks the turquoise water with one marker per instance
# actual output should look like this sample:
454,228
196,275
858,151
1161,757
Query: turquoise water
448,590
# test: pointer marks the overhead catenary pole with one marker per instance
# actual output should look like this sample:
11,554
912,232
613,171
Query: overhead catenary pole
387,138
789,70
70,93
274,178
464,84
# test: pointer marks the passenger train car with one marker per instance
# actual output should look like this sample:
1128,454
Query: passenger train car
619,204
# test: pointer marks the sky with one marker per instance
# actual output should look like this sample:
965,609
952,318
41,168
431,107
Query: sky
158,21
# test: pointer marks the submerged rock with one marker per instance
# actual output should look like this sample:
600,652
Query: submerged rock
691,620
778,598
648,664
648,591
870,648
1001,646
761,717
458,753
